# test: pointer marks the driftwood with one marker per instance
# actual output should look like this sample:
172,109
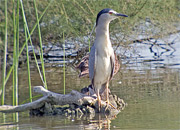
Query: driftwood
78,102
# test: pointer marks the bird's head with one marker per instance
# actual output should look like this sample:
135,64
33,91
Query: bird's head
107,15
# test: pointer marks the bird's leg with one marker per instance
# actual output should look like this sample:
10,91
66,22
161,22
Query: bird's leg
99,100
107,97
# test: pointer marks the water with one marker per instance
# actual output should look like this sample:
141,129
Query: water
149,82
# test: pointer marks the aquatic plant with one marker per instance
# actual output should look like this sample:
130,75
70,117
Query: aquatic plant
17,22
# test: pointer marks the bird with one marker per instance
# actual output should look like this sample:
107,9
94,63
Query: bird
83,66
101,57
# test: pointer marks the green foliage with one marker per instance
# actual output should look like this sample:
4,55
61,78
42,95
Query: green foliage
16,51
76,17
5,56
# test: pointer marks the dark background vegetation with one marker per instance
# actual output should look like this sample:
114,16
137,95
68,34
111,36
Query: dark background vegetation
76,18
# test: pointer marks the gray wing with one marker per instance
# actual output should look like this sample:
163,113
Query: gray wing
112,59
92,62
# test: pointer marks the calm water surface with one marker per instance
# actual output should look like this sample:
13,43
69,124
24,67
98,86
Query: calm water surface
149,82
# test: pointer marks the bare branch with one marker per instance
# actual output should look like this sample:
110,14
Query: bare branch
54,98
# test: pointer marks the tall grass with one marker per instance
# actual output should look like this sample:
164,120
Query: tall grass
22,48
64,65
76,17
15,58
4,64
18,4
28,66
5,57
41,50
28,33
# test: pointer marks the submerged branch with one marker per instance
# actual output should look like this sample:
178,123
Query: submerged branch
24,107
54,98
79,102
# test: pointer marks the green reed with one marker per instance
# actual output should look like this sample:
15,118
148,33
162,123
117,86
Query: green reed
27,34
5,57
17,4
41,50
24,44
15,58
64,64
27,29
28,66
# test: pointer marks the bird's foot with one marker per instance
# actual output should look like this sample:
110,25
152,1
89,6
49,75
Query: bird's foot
108,103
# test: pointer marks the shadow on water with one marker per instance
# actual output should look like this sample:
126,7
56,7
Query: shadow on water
149,81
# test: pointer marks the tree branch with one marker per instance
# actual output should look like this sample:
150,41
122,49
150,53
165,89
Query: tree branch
54,98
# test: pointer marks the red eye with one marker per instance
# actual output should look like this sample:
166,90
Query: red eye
110,12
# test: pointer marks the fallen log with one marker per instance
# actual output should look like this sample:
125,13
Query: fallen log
78,103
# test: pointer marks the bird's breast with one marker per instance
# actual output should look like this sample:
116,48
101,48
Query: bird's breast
103,65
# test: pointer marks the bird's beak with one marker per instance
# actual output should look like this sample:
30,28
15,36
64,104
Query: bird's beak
123,15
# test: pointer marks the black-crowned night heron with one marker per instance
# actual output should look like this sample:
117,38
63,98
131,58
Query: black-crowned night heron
83,66
102,58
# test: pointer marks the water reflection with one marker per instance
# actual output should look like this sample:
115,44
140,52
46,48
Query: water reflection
92,122
153,98
149,81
